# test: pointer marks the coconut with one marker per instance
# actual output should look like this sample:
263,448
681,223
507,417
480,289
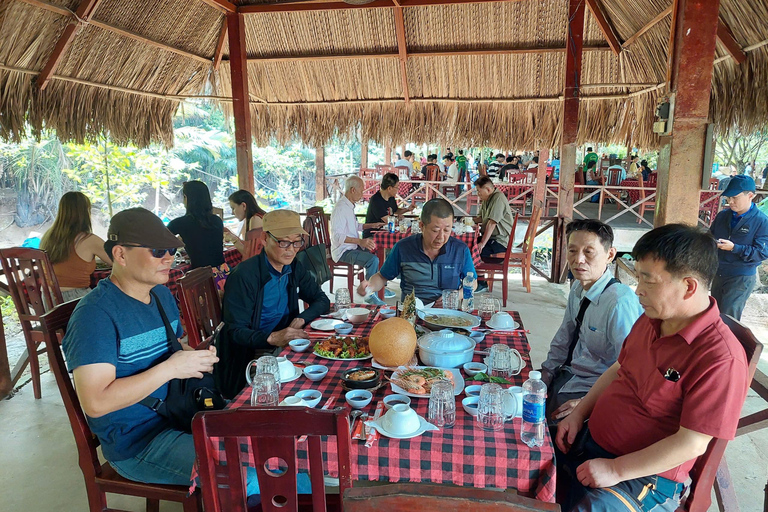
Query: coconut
392,342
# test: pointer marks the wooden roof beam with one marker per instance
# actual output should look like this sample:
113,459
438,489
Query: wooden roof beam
219,53
84,13
725,36
605,26
322,5
221,5
663,14
402,48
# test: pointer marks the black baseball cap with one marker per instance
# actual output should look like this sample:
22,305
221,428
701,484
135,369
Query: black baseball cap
141,227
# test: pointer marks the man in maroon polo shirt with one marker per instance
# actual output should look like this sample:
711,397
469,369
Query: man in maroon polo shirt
680,380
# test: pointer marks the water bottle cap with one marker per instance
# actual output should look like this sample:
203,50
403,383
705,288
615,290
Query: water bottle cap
470,274
535,375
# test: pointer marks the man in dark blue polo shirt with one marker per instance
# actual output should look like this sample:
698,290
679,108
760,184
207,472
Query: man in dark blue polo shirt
429,262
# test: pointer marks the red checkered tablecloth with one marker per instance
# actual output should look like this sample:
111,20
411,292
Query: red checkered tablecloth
231,257
463,455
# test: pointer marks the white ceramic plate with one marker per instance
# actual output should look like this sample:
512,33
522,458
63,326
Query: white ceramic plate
424,426
515,325
296,375
325,324
413,362
458,383
344,358
423,313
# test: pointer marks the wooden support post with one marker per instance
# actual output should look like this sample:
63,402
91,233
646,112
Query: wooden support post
540,192
5,369
320,190
238,66
679,177
387,155
364,155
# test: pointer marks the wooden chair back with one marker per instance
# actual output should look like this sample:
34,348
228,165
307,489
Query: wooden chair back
199,304
530,176
321,232
272,432
651,182
381,170
517,177
253,243
402,172
704,470
367,173
713,183
407,497
614,177
530,232
432,172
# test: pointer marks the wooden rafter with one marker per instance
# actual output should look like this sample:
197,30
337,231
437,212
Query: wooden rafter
334,6
725,36
402,48
85,12
663,14
220,45
605,26
221,5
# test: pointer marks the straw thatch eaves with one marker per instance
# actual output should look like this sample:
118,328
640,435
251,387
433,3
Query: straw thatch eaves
489,72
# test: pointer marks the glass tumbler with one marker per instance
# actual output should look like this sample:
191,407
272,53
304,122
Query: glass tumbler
451,299
342,300
487,306
265,391
264,364
500,361
442,405
490,407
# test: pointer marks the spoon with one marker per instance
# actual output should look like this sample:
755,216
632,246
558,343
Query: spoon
352,417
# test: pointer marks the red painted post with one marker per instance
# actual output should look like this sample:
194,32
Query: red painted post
238,66
696,23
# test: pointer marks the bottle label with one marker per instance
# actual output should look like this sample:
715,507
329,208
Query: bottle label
533,412
468,292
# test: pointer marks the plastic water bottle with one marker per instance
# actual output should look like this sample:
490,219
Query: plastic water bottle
468,304
534,421
391,224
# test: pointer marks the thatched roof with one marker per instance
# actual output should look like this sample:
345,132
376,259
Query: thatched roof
481,73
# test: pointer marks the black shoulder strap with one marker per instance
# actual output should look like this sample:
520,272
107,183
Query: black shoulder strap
579,319
150,401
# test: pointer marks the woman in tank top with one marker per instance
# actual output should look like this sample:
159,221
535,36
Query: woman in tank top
245,209
72,247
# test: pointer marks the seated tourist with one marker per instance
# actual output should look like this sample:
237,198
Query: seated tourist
406,161
246,210
451,174
346,246
71,246
383,204
495,218
645,170
633,170
511,167
680,380
428,262
495,166
118,351
599,315
201,231
431,171
261,301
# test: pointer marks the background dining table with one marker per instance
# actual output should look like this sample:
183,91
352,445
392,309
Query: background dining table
464,455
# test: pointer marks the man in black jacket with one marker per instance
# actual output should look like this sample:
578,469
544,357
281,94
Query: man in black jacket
261,301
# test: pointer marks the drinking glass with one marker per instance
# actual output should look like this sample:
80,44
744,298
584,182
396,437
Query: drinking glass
500,361
342,299
451,299
415,228
442,404
265,390
264,364
487,306
490,407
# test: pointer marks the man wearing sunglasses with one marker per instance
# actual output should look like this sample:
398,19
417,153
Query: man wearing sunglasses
261,301
118,349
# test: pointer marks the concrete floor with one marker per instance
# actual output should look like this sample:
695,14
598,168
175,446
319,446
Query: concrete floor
38,457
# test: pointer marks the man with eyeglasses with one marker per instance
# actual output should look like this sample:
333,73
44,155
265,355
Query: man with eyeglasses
118,350
742,242
261,301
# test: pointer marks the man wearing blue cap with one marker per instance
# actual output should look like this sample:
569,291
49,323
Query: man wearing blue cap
742,242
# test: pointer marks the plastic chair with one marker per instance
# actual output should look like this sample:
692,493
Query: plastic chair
322,235
272,432
99,478
497,268
199,304
408,497
35,290
704,471
647,205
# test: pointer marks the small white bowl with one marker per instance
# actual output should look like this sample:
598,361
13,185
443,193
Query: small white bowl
357,315
315,372
311,396
387,312
392,400
294,401
470,405
478,336
358,398
473,369
299,345
501,320
401,420
287,370
343,328
473,390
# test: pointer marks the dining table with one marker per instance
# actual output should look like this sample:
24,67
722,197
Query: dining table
463,455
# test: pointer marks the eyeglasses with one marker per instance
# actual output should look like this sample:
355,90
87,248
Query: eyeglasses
284,244
156,253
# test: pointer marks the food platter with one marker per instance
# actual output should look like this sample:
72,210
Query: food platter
458,381
438,318
345,342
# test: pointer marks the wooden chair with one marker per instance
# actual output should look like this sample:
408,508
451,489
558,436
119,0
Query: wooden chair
497,267
714,183
523,258
99,478
515,191
647,205
408,497
273,432
403,172
579,179
322,235
652,179
35,290
253,243
705,469
367,173
613,179
199,304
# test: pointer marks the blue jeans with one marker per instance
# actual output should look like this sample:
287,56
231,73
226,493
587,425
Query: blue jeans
362,258
595,198
646,494
731,293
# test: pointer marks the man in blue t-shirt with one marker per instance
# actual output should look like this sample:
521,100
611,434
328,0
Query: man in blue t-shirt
429,262
119,353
